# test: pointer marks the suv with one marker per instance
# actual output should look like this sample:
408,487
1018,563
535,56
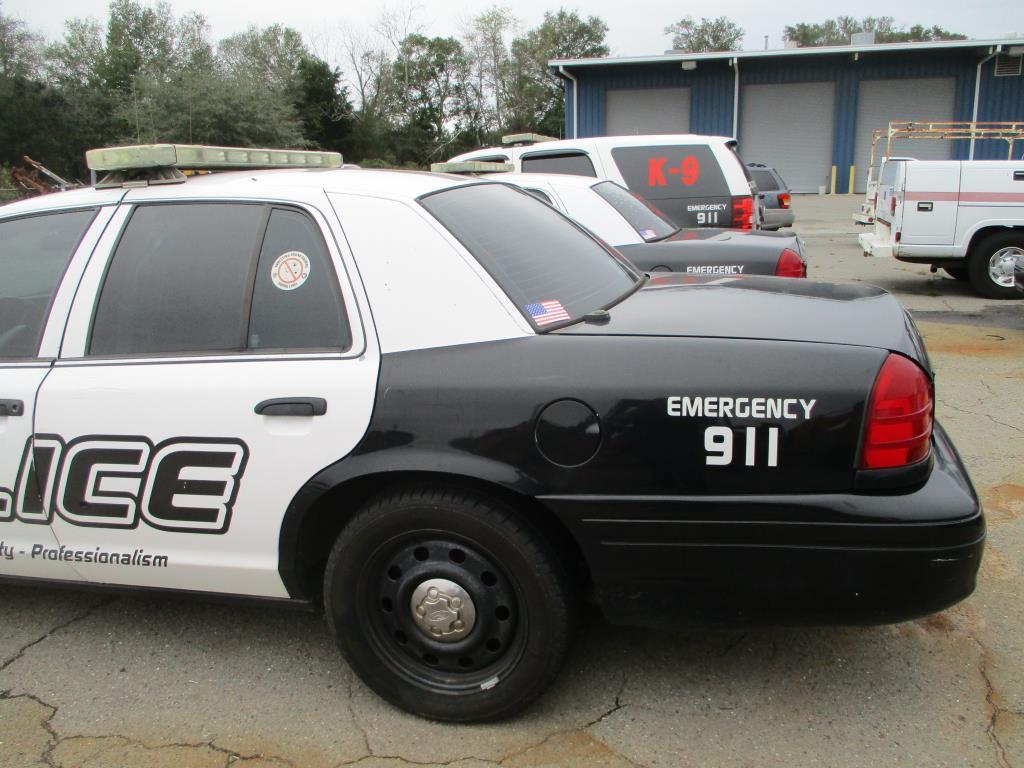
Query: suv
445,413
774,195
696,181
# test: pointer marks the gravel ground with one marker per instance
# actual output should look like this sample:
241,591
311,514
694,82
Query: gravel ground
97,681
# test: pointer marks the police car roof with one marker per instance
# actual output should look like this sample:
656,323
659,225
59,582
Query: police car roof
408,184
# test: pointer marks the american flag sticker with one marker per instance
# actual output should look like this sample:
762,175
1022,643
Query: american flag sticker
547,312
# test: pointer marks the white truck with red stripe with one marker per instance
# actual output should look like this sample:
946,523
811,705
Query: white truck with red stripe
964,216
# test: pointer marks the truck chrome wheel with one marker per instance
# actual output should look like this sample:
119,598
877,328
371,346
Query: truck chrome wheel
1002,264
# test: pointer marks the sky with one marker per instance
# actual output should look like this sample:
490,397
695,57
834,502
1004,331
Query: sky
635,26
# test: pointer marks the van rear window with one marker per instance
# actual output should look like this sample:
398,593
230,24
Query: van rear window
550,268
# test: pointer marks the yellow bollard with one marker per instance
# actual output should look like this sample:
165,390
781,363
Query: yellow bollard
832,189
853,173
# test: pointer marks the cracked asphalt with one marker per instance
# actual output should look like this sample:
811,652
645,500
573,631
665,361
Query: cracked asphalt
97,681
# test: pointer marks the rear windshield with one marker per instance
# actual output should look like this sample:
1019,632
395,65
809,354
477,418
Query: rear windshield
764,180
671,171
648,223
890,169
550,269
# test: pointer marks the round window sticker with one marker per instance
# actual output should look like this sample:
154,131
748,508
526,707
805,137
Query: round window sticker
290,270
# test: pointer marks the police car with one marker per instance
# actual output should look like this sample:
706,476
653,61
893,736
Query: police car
646,237
380,392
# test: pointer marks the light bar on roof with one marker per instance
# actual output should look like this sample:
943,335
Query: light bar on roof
196,157
526,138
472,166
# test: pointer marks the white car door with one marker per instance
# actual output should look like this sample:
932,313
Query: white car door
214,362
41,256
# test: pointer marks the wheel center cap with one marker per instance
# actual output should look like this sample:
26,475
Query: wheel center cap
443,610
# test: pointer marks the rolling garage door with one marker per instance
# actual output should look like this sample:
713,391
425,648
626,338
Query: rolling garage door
647,110
880,101
789,127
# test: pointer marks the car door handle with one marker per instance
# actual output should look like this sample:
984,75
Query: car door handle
12,407
925,206
292,406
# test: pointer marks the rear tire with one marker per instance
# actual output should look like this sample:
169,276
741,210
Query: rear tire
990,266
490,571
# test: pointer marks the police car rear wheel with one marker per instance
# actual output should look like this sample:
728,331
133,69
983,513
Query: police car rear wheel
991,265
448,605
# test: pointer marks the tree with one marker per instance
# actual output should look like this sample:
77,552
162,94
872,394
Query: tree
838,31
268,57
322,105
535,95
719,34
20,49
488,55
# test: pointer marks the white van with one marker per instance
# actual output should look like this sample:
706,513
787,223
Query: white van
696,181
964,216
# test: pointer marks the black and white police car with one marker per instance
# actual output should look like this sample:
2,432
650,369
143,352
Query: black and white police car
651,242
380,390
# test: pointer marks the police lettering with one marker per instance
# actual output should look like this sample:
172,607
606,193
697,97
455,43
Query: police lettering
718,269
687,172
182,484
741,407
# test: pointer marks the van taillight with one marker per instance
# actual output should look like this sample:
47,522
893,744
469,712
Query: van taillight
790,264
784,200
743,212
898,420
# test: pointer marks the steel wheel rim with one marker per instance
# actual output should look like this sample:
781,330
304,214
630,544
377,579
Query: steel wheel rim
486,654
1002,263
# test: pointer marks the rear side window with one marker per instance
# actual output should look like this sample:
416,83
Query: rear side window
764,180
34,252
550,269
296,303
648,223
569,163
217,277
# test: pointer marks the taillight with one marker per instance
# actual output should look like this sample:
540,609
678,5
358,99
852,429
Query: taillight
898,421
784,200
790,264
743,212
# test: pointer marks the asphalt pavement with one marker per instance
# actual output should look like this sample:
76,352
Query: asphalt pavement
97,681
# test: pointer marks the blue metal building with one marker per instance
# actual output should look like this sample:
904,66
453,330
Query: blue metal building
808,111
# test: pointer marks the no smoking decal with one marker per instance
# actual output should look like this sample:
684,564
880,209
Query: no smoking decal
290,270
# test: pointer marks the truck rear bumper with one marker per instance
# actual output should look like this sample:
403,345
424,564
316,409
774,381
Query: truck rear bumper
811,558
873,245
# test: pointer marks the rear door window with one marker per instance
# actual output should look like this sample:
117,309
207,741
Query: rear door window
201,278
684,181
551,269
569,163
34,252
